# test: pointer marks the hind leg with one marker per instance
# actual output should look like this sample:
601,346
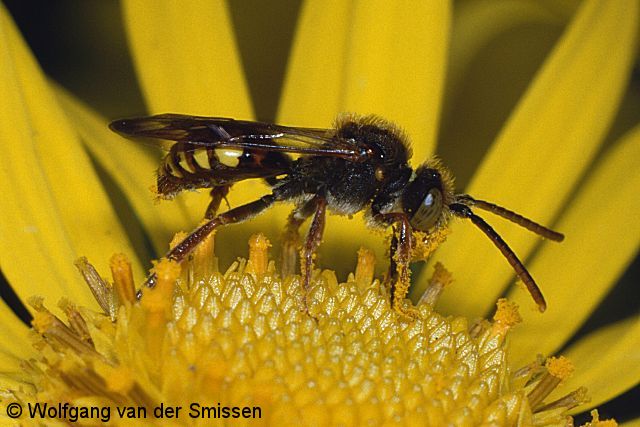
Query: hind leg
232,216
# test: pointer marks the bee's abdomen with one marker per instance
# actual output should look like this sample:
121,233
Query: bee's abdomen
187,161
190,166
187,167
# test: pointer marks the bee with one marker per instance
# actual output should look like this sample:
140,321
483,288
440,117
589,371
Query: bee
361,164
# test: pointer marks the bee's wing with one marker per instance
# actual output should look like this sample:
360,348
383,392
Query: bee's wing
225,132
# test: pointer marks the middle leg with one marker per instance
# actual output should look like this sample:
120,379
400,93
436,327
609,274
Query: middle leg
314,237
291,238
217,195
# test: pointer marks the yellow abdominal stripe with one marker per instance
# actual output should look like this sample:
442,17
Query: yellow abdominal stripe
201,157
228,156
173,169
189,163
184,163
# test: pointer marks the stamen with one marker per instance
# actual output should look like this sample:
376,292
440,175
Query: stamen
440,279
123,279
215,336
571,400
596,422
365,267
534,369
119,379
506,317
204,262
158,304
76,321
159,299
100,289
258,255
558,369
54,329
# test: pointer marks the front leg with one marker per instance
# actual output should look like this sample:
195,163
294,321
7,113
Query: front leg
399,276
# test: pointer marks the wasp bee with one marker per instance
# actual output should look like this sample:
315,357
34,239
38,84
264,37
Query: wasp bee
361,164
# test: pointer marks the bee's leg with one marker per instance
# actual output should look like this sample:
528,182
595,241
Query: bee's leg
314,237
239,214
217,195
399,276
291,238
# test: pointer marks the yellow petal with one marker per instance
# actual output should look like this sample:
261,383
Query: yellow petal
53,206
488,66
186,57
379,57
368,57
477,23
562,8
632,423
603,236
607,361
187,60
14,336
10,367
545,147
130,165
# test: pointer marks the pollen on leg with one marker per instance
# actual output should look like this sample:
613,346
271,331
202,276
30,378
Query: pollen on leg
303,264
401,289
407,310
426,243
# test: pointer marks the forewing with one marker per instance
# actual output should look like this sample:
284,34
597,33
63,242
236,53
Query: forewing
225,132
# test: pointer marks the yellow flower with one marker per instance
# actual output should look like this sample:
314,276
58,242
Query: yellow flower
221,346
563,152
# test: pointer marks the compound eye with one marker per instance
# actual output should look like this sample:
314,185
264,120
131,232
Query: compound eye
428,213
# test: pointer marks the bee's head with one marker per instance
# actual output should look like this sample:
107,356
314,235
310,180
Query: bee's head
428,200
426,197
